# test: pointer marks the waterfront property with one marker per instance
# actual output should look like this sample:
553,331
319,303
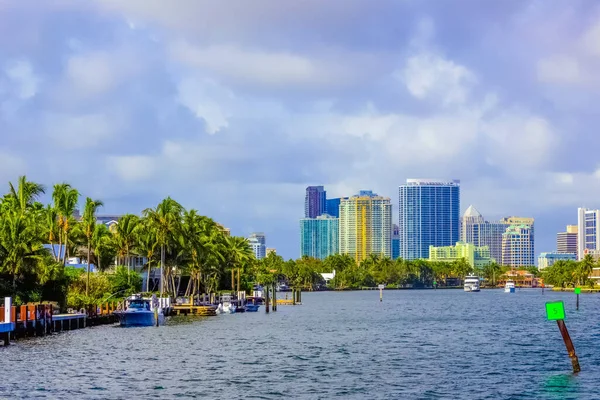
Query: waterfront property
429,215
319,237
566,242
522,278
474,229
518,246
258,243
395,241
476,256
365,226
315,202
548,259
587,231
333,207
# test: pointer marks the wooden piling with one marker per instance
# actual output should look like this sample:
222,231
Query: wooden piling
569,344
274,298
267,299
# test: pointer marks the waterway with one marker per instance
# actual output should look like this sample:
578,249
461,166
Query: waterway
416,344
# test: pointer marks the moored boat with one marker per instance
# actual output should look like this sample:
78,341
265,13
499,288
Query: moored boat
139,311
509,287
472,284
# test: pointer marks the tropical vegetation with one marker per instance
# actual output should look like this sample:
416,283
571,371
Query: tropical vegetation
569,273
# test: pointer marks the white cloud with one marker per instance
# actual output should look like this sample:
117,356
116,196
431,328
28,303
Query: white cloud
258,66
91,74
11,165
21,74
560,69
84,131
207,100
133,168
429,76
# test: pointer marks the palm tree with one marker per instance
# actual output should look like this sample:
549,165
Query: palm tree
586,267
145,244
65,202
25,193
102,243
238,252
125,236
89,225
165,219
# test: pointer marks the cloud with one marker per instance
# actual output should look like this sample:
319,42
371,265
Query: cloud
82,131
431,77
20,72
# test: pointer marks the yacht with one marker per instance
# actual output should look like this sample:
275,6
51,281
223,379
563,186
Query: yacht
509,287
139,311
472,283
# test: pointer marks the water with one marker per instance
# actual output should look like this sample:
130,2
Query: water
442,344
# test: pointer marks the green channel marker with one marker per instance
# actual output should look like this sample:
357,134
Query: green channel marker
577,290
555,310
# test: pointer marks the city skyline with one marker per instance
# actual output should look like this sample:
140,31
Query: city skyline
237,115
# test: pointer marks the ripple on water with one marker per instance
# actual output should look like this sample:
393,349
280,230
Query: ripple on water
413,345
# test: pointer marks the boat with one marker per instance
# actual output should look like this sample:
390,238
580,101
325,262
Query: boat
139,311
252,307
472,283
228,305
509,287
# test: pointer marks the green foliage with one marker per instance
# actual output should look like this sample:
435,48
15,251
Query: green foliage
570,273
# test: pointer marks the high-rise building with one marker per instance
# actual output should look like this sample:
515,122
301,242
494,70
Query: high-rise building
587,231
518,246
475,230
315,202
395,241
546,260
366,226
566,242
258,243
333,207
271,250
319,237
429,215
476,256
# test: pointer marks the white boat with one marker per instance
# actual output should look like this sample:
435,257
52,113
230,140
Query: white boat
140,312
227,304
472,283
509,287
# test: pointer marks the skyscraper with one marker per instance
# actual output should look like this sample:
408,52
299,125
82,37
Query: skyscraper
566,242
319,237
395,241
429,215
587,231
475,230
518,246
365,226
333,207
315,201
258,243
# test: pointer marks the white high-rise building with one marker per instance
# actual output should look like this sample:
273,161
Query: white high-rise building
258,243
588,239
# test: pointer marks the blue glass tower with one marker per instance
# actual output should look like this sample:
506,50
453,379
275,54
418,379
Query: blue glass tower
395,242
429,215
319,237
333,207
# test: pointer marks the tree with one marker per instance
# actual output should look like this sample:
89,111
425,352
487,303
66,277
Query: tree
89,225
65,202
125,236
145,245
165,219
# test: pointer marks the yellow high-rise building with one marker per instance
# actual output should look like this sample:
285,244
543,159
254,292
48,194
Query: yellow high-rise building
365,226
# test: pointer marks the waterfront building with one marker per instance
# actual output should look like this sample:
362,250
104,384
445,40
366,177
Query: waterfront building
475,230
566,242
395,241
429,215
546,260
332,207
365,226
226,231
319,237
518,246
587,231
315,201
258,243
476,256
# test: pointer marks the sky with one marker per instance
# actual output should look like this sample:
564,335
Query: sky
233,108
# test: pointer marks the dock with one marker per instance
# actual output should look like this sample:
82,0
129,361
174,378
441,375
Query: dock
187,309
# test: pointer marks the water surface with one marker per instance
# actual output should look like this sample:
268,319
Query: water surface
417,344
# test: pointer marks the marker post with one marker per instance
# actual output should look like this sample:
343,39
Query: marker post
577,291
555,311
381,292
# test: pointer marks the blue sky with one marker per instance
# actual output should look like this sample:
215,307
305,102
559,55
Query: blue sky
233,108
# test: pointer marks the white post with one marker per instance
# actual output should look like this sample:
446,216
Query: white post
7,309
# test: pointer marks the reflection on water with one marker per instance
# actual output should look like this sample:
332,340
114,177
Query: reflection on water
433,344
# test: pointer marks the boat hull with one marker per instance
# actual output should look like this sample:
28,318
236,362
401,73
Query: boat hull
252,307
509,290
139,318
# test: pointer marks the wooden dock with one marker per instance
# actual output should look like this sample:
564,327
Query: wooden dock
187,309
